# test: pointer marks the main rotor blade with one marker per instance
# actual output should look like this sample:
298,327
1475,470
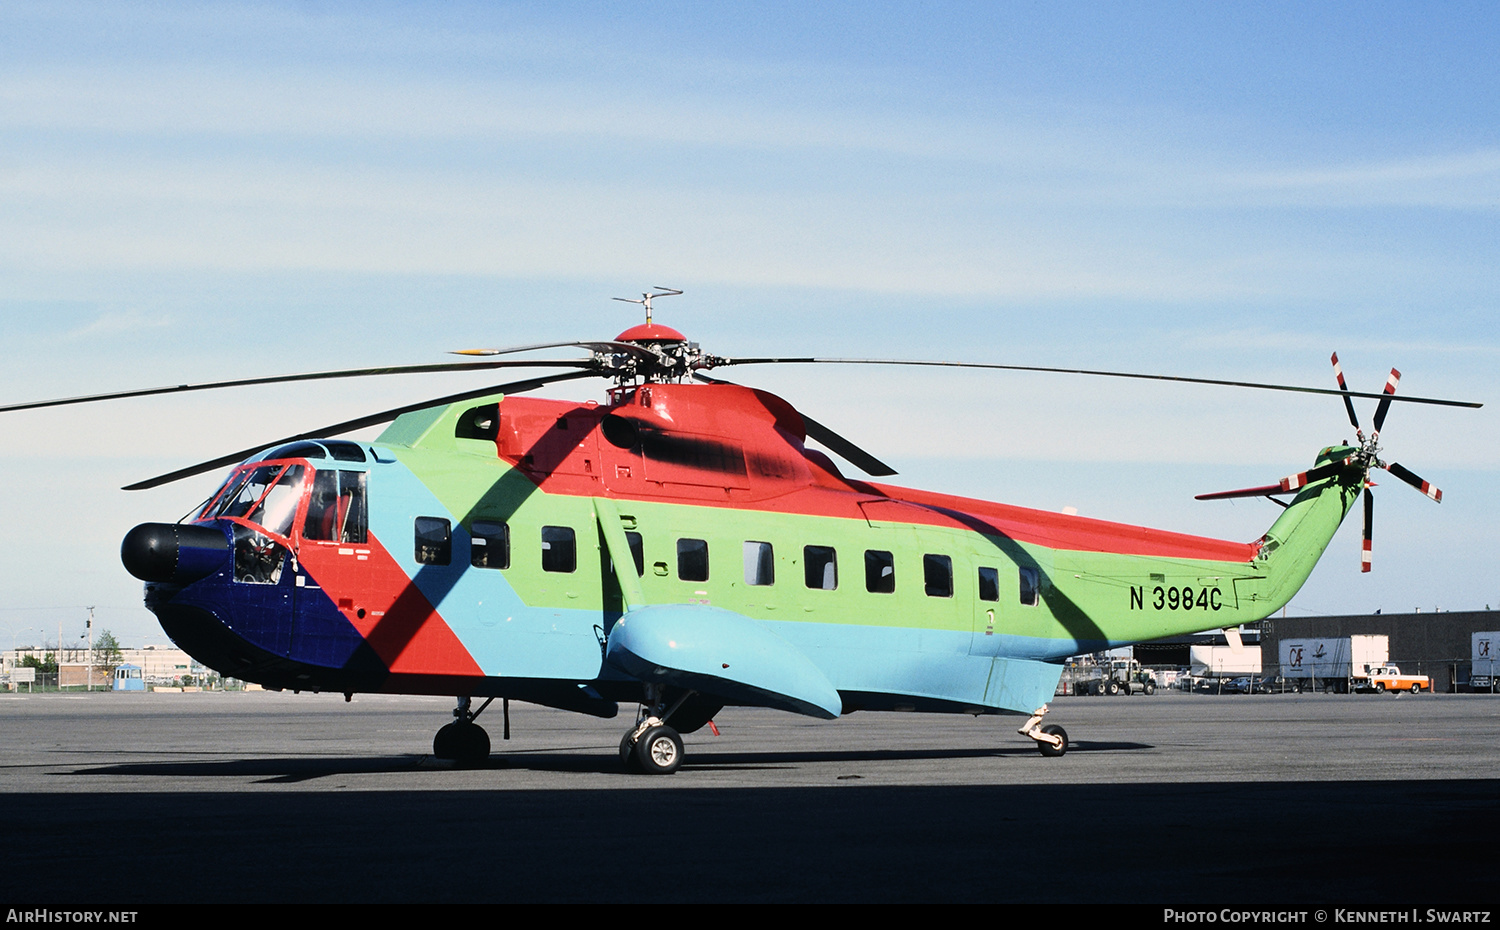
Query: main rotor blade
606,345
846,450
1087,371
1265,490
309,376
1416,482
842,447
515,387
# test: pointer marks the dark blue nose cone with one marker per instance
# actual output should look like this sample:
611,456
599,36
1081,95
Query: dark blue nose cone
175,552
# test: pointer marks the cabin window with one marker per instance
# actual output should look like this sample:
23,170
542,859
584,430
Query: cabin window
760,564
880,572
434,541
1030,584
937,575
692,559
989,584
820,567
637,552
559,549
489,544
336,511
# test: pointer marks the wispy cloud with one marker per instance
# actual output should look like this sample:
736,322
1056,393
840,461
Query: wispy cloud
113,323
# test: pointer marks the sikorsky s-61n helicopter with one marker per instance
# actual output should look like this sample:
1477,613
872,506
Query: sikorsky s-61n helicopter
678,546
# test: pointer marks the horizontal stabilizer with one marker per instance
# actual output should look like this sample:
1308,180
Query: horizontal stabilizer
720,653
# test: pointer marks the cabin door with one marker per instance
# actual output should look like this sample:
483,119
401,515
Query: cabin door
988,622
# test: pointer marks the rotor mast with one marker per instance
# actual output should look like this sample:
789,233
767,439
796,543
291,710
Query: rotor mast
656,353
645,301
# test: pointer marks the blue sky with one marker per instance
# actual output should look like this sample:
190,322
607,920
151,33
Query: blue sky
202,191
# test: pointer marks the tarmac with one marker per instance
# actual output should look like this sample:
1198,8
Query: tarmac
1172,800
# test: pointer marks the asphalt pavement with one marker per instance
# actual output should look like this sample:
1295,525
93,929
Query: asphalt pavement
1359,801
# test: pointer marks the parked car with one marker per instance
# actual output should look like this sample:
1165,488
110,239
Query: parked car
1276,684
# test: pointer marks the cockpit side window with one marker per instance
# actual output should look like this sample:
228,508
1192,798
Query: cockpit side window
337,511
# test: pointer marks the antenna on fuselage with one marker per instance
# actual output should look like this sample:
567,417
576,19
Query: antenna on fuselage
646,299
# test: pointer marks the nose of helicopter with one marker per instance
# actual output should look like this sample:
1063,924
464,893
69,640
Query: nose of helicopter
174,552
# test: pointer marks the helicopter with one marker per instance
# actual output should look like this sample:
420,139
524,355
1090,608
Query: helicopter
680,547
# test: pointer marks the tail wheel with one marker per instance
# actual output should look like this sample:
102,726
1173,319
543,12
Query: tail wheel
1047,749
1416,688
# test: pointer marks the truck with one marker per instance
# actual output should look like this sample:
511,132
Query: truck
1482,666
1341,664
1388,677
1224,661
1120,676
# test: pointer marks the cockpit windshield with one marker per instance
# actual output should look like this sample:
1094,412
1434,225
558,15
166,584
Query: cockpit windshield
263,494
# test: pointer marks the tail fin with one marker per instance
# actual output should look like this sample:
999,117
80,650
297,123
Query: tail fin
1298,538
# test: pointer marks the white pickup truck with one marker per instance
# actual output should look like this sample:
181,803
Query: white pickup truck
1385,678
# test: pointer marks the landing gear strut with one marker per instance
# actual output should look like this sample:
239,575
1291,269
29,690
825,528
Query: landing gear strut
1051,740
651,746
463,741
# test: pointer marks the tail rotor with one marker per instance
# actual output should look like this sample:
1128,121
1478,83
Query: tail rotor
1365,456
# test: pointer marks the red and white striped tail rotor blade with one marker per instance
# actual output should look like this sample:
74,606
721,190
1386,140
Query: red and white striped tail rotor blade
1415,481
1284,486
1293,482
1338,372
1385,401
1364,555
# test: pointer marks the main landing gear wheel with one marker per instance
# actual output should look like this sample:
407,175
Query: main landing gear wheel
462,741
653,747
658,751
654,752
627,753
1047,749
